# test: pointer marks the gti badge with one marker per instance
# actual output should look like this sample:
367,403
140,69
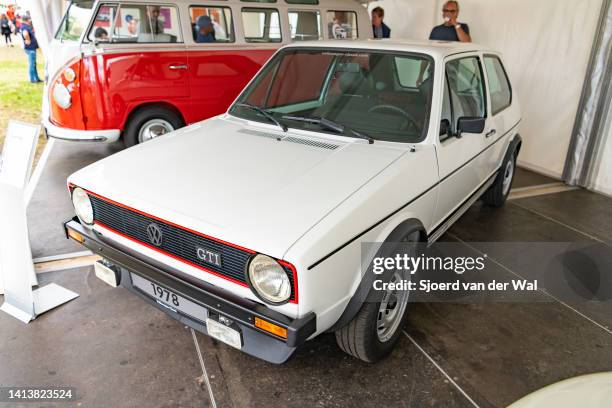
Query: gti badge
155,235
208,256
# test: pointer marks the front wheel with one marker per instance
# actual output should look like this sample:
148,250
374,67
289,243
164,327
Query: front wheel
376,328
150,123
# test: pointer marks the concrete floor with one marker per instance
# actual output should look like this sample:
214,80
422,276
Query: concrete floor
117,351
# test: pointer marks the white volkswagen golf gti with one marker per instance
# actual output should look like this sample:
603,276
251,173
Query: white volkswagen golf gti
249,226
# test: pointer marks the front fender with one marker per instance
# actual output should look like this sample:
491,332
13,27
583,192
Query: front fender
405,228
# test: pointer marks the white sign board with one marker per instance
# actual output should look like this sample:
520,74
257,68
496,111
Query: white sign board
16,267
18,153
16,166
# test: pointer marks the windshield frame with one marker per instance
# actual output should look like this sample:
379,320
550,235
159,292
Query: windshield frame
273,64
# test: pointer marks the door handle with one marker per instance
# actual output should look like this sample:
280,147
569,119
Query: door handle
491,133
175,67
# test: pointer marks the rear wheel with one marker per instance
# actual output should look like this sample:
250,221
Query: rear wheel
150,123
497,194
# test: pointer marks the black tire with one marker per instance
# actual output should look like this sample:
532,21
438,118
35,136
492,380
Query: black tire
496,195
167,119
359,338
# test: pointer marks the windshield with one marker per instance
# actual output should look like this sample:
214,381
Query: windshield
75,21
374,95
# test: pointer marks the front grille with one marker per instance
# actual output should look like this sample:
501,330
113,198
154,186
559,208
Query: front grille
176,241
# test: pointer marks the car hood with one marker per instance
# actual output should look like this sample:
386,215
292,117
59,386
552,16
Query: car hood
236,182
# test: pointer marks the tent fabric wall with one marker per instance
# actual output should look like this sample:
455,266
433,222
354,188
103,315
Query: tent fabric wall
546,47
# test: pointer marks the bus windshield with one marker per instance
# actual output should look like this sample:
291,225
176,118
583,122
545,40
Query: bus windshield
75,21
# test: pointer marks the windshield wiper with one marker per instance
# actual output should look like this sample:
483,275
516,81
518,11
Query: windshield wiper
265,113
329,124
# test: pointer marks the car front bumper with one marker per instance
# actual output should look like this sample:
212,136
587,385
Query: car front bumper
217,301
103,136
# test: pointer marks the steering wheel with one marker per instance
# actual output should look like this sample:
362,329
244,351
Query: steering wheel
411,121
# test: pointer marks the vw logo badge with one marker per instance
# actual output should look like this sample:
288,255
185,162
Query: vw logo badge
155,234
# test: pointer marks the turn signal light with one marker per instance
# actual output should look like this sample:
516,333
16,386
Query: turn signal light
271,328
75,235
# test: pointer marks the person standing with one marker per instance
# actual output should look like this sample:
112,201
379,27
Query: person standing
381,30
10,13
5,28
30,46
451,30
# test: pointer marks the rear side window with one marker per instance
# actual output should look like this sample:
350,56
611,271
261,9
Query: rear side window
211,24
139,23
305,25
499,85
342,25
466,88
261,25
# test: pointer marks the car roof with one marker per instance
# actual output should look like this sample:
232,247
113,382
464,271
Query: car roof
434,48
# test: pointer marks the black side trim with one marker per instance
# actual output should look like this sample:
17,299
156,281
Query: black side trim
479,153
409,202
372,227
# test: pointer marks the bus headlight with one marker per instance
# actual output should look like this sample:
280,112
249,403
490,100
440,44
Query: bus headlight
268,279
61,96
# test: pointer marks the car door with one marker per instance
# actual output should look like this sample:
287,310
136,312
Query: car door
503,117
460,162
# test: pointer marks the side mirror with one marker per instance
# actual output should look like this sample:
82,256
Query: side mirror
470,124
445,128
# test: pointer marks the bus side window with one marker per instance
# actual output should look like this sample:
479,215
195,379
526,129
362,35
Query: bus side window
261,25
305,25
128,23
103,23
342,25
211,24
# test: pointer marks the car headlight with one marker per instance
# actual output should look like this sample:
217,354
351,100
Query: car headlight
82,205
269,280
61,96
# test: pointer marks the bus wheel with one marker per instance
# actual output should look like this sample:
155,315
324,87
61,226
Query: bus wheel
150,123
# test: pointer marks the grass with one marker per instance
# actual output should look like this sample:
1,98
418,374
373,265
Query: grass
19,99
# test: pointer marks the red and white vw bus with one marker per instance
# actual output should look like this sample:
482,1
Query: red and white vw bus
137,70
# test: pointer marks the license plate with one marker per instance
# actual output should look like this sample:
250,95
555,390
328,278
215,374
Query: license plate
223,333
169,299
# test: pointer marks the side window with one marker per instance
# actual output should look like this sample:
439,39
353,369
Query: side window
302,1
211,24
261,25
342,25
106,17
305,25
466,88
136,23
499,86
